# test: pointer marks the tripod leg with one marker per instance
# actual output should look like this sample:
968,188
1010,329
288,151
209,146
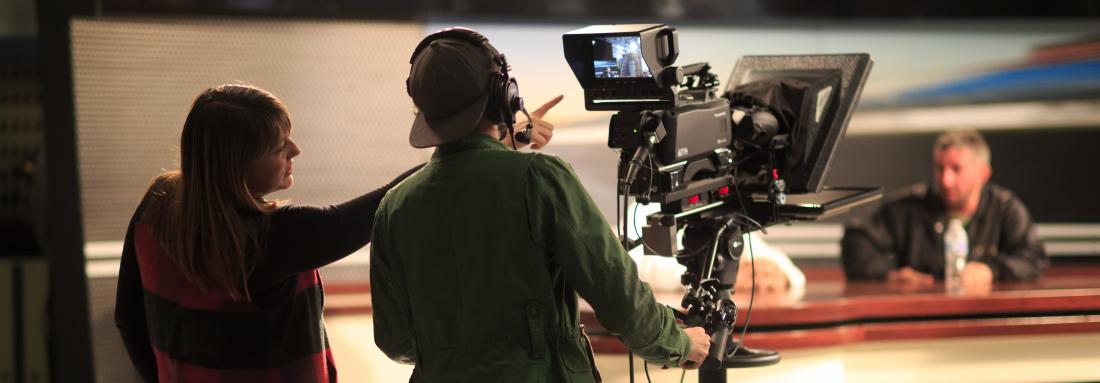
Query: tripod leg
717,375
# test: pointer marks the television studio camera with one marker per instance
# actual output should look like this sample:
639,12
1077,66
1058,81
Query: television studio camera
719,164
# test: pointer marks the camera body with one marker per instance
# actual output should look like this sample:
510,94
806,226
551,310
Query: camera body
671,113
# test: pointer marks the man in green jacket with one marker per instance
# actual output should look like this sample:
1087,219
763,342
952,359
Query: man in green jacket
478,258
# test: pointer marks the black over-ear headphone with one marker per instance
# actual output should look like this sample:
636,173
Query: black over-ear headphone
504,99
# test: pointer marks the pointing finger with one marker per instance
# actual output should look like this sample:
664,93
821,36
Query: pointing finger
541,111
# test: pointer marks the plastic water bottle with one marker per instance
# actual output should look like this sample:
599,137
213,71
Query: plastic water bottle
956,247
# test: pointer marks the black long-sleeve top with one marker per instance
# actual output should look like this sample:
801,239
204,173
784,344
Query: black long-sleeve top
170,327
908,231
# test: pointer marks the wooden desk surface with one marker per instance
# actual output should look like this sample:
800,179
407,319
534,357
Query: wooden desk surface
833,312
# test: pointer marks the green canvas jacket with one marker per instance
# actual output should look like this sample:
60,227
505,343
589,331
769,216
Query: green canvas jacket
476,264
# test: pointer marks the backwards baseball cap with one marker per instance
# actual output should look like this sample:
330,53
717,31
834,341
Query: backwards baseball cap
449,83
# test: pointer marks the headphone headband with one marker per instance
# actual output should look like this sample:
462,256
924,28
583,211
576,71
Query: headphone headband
460,33
504,101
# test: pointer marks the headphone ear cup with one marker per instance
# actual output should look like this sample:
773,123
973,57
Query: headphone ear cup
511,103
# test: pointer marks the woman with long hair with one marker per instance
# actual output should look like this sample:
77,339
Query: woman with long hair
218,283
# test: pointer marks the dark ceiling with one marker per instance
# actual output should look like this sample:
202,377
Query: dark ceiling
717,11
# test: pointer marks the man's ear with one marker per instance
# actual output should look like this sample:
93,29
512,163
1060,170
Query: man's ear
987,173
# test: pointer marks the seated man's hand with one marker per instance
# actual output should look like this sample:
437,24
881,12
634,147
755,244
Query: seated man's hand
769,277
541,131
906,276
977,275
700,347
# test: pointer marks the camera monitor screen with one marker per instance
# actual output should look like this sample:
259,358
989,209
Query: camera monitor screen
618,57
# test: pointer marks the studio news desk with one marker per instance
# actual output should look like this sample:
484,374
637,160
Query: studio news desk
1046,330
1042,330
1065,300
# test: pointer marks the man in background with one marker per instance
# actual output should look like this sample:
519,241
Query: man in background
903,241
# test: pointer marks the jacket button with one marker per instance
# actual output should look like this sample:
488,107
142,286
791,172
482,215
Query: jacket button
534,311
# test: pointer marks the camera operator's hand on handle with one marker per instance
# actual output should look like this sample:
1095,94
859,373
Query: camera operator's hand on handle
541,131
700,347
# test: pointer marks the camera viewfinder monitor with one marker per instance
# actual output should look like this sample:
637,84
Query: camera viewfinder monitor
620,66
835,83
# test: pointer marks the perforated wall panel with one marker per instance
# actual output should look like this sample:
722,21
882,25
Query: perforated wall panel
135,80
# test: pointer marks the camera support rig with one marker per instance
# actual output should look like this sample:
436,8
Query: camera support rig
720,165
712,234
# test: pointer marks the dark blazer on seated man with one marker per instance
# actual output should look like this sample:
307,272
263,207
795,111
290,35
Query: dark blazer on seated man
903,240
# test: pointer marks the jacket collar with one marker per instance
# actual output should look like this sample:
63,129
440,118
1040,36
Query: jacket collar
472,141
934,201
